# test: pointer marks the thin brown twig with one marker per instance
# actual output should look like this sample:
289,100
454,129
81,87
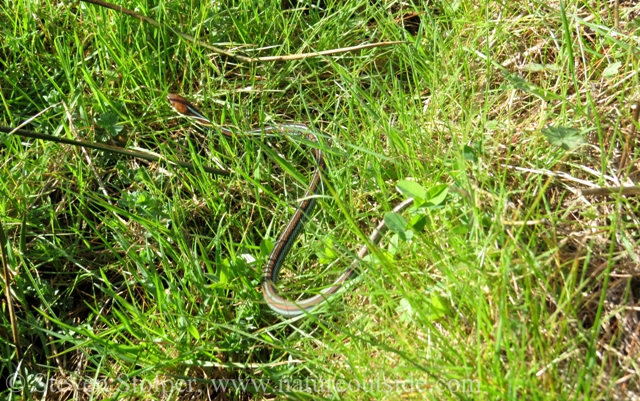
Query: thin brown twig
611,191
157,24
218,50
113,149
325,52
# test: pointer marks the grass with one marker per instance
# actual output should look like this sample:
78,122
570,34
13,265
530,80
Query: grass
141,279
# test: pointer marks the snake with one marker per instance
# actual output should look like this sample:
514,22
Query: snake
276,301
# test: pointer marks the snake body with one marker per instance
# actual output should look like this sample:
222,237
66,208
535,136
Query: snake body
272,297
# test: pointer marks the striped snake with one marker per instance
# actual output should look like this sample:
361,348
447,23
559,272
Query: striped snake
272,297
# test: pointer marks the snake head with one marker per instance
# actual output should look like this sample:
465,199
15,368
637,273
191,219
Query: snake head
183,107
